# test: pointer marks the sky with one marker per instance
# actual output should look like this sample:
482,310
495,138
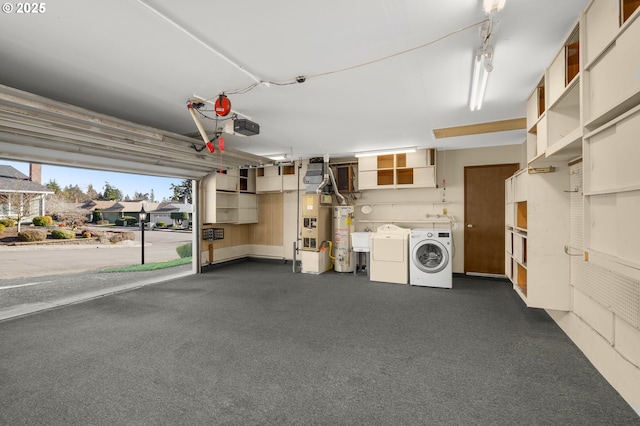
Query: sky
128,184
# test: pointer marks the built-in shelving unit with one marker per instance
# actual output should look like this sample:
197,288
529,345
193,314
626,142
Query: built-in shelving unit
535,236
586,103
571,235
230,197
407,170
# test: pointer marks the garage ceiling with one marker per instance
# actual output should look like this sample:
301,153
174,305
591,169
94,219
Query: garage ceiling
142,60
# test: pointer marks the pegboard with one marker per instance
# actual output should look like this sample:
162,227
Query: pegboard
616,292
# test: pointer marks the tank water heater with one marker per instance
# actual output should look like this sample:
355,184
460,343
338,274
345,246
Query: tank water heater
343,226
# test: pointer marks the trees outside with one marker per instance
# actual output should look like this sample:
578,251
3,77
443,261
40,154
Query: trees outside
111,193
53,186
92,194
182,191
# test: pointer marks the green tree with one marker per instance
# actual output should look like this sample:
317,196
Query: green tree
53,186
152,197
182,191
139,196
111,193
92,194
73,193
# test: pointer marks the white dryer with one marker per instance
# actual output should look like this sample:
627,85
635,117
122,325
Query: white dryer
389,247
431,258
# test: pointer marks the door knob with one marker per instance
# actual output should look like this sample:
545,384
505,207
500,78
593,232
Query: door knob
469,225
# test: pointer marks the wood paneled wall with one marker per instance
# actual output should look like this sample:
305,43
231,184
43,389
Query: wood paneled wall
268,231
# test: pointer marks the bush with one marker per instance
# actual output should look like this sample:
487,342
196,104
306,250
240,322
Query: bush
103,222
72,219
184,250
42,221
63,234
161,225
2,227
31,235
86,234
126,221
8,222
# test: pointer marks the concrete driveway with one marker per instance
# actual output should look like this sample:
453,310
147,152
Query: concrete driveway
37,278
42,260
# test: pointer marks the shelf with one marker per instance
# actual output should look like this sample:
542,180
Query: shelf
617,110
568,147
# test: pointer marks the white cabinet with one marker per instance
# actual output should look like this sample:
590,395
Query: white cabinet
535,236
554,122
409,170
221,205
612,190
247,208
612,85
268,179
279,178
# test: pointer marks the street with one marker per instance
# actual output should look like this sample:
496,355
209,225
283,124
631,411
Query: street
41,260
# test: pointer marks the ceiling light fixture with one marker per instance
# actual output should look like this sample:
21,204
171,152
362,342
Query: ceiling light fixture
491,6
482,66
385,152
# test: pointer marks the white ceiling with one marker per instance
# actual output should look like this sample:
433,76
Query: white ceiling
122,58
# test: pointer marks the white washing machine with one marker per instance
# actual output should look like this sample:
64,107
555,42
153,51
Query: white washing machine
431,258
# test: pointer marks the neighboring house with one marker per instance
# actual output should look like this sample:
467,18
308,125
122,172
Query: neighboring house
163,213
22,196
113,210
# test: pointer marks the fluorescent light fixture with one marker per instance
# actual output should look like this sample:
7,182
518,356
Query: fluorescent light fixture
385,152
277,157
493,6
482,65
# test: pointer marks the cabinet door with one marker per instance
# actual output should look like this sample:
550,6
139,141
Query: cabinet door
368,163
225,182
417,159
424,177
367,179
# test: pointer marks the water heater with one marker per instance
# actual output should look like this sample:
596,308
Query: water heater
342,228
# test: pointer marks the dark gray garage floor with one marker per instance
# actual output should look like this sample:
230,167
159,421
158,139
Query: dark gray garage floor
253,343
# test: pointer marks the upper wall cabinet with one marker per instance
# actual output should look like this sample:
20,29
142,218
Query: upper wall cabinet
227,197
280,177
612,65
395,171
554,124
536,122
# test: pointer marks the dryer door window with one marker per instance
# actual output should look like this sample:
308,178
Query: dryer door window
430,256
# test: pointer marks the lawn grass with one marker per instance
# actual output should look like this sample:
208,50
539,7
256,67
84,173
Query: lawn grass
150,266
